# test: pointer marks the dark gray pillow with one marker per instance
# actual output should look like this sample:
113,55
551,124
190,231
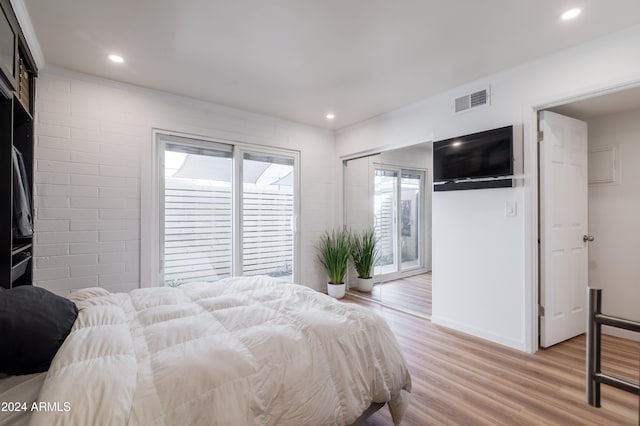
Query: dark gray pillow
33,325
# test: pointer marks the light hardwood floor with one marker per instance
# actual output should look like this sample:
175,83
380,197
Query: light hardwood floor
462,380
412,294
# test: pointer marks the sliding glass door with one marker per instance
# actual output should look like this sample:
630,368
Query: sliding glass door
197,231
410,219
385,220
398,219
225,210
267,215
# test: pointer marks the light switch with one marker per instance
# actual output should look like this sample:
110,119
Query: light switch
511,209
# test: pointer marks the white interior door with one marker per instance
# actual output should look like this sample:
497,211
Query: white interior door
563,225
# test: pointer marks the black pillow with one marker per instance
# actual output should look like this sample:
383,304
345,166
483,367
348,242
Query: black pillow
33,325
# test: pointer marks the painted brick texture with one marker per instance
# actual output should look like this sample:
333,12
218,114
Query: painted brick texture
93,139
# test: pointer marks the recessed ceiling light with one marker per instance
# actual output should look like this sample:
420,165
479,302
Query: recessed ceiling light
570,14
116,58
330,116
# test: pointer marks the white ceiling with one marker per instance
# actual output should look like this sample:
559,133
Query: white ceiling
299,59
611,103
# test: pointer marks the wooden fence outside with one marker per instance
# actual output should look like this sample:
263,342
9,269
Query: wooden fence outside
198,232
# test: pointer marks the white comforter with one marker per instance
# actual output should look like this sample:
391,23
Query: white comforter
241,351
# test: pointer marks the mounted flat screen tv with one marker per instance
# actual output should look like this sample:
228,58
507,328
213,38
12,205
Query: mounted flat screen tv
480,155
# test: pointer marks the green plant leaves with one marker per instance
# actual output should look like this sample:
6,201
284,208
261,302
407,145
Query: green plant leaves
337,247
364,252
334,252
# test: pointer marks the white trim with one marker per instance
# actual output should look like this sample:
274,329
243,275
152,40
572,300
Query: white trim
148,219
22,15
584,94
160,161
408,143
151,214
531,253
236,200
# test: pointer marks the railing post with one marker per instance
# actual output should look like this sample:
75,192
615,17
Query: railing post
594,342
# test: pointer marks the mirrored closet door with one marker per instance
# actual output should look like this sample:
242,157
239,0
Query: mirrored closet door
397,219
389,193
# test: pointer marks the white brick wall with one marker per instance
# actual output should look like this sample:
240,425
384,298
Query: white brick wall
92,136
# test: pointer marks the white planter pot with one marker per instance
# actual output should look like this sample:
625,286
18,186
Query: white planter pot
365,284
336,290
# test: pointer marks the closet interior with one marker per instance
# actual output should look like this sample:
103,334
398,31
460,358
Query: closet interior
17,88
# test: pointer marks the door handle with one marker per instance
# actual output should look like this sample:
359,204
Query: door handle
587,238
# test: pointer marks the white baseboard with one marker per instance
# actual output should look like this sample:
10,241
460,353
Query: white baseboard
477,332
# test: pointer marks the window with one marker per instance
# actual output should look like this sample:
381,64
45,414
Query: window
225,209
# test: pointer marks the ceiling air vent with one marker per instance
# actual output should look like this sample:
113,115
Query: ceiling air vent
473,100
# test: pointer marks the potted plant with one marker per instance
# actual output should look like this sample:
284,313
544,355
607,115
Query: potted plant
334,256
364,255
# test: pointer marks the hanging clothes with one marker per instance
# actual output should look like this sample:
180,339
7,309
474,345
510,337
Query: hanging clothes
23,226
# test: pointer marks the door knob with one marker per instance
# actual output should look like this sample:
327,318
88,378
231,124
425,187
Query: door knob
586,238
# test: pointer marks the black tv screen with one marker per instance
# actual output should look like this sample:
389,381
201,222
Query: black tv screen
480,155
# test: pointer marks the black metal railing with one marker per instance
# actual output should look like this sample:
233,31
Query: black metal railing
595,376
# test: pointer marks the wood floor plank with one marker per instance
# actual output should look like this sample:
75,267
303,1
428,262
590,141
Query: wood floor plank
412,294
459,379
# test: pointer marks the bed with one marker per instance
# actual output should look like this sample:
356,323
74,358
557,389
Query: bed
240,351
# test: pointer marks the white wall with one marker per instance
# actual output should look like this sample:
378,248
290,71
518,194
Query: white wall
614,219
508,316
478,263
93,151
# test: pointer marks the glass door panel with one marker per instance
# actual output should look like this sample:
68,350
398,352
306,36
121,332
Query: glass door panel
385,222
267,215
410,220
197,216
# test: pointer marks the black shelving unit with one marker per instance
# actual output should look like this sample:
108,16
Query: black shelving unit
17,89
